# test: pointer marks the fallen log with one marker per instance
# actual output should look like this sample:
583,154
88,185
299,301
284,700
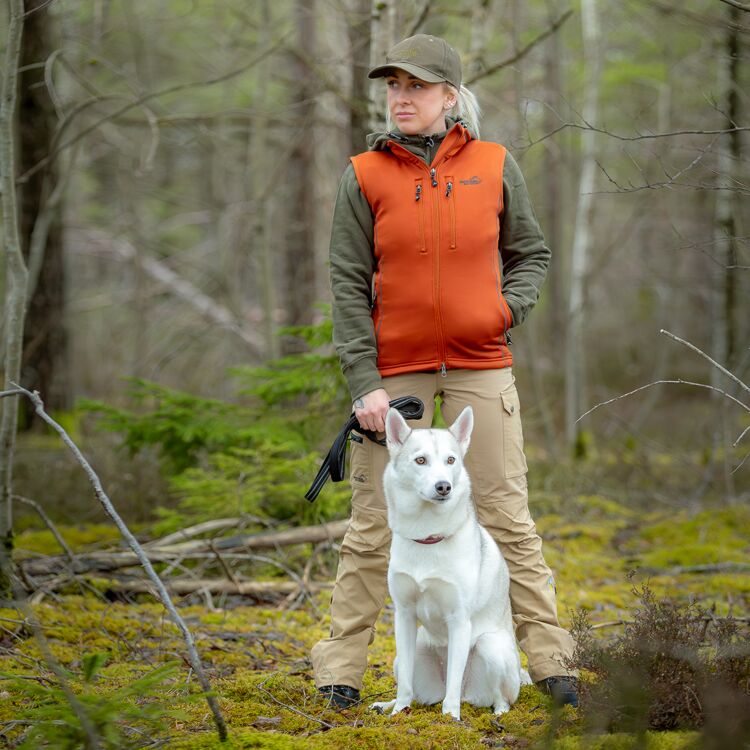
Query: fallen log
103,561
256,589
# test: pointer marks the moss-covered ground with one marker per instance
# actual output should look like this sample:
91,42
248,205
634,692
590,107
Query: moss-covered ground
258,657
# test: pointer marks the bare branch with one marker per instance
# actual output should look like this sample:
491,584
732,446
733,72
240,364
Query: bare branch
51,526
639,137
735,4
664,382
132,104
554,26
424,11
703,354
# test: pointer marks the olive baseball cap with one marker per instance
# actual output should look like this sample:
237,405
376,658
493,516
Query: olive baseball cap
427,57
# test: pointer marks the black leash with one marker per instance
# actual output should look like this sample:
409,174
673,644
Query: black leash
334,463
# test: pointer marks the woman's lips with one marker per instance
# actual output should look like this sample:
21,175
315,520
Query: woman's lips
404,115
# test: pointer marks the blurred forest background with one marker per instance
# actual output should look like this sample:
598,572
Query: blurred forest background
176,163
178,160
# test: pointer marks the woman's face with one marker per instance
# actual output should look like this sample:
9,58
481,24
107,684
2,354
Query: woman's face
417,107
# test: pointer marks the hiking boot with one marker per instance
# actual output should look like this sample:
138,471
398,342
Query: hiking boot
341,696
563,689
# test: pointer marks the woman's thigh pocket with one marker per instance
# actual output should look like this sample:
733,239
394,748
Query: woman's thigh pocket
514,460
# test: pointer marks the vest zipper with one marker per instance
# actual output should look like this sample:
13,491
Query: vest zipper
420,216
436,251
452,207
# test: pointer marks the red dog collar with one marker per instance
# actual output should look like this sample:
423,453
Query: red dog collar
434,539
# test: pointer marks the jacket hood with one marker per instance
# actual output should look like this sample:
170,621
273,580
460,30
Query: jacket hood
377,141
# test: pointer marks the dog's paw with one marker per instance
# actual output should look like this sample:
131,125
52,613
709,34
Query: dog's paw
453,710
525,678
382,707
501,707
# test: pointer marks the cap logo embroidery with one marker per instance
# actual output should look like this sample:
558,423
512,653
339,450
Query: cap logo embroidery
411,52
471,181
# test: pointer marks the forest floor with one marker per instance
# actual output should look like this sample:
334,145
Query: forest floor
258,656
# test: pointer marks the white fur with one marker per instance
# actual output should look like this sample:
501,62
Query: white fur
465,647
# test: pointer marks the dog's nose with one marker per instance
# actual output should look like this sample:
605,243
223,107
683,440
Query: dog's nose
442,488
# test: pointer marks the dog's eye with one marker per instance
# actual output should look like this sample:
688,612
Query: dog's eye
421,460
451,460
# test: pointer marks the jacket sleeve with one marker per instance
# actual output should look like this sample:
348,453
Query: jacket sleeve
352,265
523,252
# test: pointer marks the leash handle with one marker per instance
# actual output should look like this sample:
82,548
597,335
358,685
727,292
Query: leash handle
333,465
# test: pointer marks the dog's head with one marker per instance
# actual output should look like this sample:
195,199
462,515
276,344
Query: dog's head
430,461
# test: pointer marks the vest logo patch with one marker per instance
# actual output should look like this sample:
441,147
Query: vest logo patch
471,181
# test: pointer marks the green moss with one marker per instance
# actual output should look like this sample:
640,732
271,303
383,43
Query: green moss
77,537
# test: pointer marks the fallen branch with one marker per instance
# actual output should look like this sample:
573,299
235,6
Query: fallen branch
107,561
255,589
723,567
216,524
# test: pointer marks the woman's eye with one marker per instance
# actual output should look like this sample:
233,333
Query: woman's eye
421,460
451,460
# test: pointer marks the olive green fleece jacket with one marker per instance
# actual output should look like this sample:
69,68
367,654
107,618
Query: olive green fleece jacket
523,252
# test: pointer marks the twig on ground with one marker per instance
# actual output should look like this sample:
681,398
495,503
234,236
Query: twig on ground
287,706
230,575
51,526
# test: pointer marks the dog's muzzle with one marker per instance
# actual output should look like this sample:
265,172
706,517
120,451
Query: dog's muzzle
442,490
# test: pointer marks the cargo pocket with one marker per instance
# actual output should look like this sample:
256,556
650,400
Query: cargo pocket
360,463
368,532
513,456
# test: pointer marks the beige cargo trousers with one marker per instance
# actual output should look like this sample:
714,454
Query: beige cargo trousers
497,468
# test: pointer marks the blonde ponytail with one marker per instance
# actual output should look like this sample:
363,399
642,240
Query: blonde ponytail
467,108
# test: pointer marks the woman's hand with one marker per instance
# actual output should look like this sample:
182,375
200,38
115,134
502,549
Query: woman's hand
370,410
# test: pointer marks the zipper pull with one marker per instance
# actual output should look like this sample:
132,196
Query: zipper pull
428,141
432,174
443,371
419,193
448,190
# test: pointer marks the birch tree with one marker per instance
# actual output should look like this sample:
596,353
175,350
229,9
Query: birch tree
575,366
16,279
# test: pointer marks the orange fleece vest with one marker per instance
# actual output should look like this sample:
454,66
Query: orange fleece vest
437,299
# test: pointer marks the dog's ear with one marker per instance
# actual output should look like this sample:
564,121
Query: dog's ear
396,429
462,427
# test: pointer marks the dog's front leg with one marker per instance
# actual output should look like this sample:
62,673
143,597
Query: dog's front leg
459,642
405,625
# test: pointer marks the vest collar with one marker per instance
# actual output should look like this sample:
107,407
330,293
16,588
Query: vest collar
454,140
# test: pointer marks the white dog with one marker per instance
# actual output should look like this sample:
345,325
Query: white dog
447,572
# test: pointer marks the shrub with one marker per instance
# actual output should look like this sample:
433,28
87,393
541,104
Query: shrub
673,667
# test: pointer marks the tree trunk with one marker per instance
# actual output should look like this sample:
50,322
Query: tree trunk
45,355
16,278
259,166
300,244
359,44
382,38
725,232
575,365
553,207
724,332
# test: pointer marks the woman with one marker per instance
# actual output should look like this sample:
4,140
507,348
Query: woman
422,305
